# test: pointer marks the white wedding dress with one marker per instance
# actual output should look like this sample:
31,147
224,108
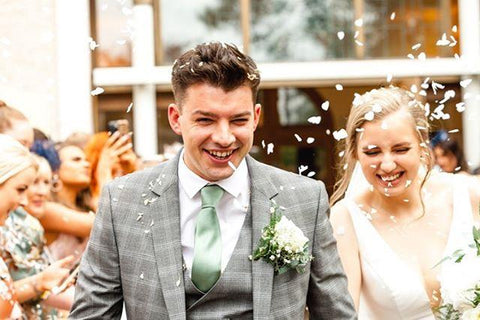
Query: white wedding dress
392,289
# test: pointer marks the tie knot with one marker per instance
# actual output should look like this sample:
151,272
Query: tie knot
211,195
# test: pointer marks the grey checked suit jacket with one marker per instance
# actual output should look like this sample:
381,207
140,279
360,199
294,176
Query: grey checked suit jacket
135,255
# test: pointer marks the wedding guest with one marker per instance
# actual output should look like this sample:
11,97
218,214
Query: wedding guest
24,250
71,190
15,124
396,220
17,172
110,156
448,154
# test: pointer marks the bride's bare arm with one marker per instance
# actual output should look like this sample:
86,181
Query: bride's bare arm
347,245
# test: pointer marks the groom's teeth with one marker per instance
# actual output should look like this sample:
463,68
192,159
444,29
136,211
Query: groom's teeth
390,178
219,154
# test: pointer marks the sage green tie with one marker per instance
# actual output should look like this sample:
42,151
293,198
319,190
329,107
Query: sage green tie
207,259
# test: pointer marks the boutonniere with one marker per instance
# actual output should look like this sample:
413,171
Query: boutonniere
282,244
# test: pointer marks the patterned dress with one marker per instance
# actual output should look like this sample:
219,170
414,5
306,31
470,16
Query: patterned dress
24,252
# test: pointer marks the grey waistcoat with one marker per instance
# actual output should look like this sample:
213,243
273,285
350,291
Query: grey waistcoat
231,297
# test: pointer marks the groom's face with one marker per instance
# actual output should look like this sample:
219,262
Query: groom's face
217,128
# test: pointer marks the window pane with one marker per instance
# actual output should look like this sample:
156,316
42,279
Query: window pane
186,23
308,30
113,32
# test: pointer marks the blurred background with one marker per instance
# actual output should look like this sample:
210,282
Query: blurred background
75,65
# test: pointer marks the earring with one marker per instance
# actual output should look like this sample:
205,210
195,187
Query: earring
57,184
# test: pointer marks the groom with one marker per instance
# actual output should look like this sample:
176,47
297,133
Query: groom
173,241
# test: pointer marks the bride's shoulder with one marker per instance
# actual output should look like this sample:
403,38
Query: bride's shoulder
440,181
339,212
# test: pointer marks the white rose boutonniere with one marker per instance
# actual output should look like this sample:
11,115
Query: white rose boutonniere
283,244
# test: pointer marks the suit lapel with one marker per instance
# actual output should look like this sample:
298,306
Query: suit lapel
262,191
166,239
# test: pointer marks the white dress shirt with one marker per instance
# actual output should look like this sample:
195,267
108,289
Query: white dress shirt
231,210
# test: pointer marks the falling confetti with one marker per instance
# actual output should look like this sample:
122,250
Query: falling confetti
460,106
97,91
311,174
340,134
416,46
454,28
270,148
310,140
465,83
359,22
325,105
410,56
389,77
422,56
392,16
232,165
299,139
454,131
92,44
302,168
443,41
340,35
339,87
315,119
369,115
129,108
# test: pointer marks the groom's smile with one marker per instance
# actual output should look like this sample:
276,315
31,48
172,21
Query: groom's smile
217,128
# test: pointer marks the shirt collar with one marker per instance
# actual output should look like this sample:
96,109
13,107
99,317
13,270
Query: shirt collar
192,183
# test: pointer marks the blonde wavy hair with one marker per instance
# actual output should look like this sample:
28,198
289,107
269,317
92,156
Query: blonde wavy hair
14,158
381,102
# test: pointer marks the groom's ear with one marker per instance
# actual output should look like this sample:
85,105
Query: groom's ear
174,114
257,111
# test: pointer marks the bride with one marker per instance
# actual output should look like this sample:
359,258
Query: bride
397,219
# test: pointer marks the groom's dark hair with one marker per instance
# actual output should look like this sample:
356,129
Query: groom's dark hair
217,64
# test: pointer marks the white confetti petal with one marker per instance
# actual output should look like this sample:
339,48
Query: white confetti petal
465,83
232,166
340,231
340,134
341,153
299,139
389,77
422,56
392,16
325,105
142,276
263,144
97,91
315,119
339,87
359,22
460,106
310,140
443,41
410,56
129,108
359,43
369,115
416,46
302,168
340,35
454,28
270,148
454,131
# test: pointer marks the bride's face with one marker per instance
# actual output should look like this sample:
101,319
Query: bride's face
389,153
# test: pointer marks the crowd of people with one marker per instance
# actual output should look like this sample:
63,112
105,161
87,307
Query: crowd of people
49,194
393,214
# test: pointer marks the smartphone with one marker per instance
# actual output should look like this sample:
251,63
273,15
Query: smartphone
120,125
